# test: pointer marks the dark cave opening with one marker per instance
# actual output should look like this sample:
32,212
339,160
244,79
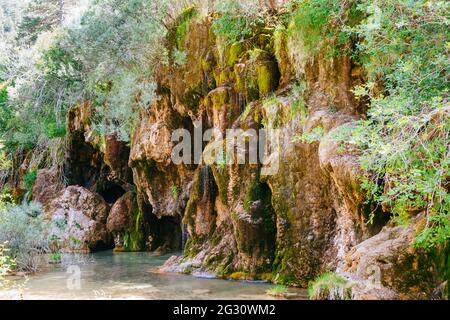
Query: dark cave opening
166,233
110,191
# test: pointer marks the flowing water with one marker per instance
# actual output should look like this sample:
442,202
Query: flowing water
107,275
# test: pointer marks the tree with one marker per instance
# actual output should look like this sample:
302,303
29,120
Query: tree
41,16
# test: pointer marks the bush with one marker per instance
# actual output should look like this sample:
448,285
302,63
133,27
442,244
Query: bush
329,286
278,290
24,230
6,264
236,19
321,23
29,179
405,139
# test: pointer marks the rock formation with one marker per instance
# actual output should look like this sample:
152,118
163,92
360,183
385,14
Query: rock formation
307,217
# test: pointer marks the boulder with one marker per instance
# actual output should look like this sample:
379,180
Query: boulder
78,219
120,214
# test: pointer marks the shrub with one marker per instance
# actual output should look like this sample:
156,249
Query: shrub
25,231
405,139
278,290
29,179
321,23
329,286
236,19
179,57
6,264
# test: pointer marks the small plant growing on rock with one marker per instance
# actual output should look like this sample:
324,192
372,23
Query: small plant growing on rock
179,57
310,137
174,190
55,257
277,291
329,286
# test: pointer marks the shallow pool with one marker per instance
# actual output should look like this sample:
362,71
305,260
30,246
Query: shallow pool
107,275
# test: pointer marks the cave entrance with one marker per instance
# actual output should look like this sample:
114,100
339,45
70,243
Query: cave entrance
165,233
110,191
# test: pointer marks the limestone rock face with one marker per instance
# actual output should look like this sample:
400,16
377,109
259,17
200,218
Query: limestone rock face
47,186
78,219
315,228
390,260
116,156
295,212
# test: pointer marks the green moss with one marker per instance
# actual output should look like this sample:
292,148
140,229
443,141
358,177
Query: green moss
234,53
266,276
182,28
279,45
224,77
267,78
239,84
134,234
190,248
281,270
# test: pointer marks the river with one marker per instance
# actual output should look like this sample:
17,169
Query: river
107,275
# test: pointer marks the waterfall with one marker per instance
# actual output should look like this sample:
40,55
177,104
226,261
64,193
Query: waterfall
25,197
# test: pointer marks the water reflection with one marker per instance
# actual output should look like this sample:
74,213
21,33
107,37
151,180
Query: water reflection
106,275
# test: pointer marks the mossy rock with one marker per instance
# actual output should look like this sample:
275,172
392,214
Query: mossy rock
259,77
282,56
240,276
234,53
183,23
219,97
267,78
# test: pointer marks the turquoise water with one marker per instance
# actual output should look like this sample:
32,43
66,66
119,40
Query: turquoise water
108,275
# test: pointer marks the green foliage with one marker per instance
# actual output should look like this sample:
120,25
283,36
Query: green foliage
174,190
75,241
6,264
41,16
6,113
299,105
185,18
322,22
41,93
236,20
24,229
278,290
55,257
405,139
116,42
329,286
54,130
116,110
313,136
179,57
29,179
